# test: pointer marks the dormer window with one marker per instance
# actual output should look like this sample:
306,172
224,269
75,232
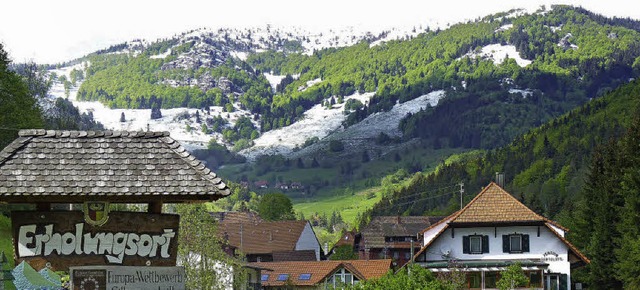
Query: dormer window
475,244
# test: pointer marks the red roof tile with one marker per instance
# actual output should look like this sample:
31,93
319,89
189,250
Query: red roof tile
320,270
263,237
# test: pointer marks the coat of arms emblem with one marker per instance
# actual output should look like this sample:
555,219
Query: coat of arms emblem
96,213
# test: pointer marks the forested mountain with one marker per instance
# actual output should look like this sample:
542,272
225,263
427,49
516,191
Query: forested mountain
545,168
563,58
502,74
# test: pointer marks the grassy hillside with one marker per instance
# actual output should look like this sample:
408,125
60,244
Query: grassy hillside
335,176
349,205
545,168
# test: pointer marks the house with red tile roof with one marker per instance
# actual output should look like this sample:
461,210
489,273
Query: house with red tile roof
263,241
319,274
494,231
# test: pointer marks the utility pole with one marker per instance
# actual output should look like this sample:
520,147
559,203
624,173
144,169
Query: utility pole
410,261
461,193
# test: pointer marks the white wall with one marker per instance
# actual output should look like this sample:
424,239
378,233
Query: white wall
308,241
537,246
433,232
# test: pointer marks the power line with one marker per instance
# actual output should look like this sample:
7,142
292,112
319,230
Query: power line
429,191
416,200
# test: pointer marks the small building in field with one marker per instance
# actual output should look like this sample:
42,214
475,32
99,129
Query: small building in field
319,274
494,231
272,241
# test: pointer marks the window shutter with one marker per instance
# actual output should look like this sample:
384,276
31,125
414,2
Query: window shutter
485,244
525,243
505,244
466,245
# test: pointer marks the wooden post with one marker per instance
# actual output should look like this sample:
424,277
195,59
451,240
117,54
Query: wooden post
155,207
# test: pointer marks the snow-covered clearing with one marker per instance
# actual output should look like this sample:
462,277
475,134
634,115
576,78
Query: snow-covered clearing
239,55
504,27
162,55
309,84
525,93
274,80
174,120
387,122
327,124
317,122
498,53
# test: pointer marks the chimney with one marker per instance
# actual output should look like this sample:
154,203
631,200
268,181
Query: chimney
500,179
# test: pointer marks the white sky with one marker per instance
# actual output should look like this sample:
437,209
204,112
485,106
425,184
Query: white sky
51,31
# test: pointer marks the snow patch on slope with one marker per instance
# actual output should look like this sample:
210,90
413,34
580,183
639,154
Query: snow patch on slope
387,122
498,53
525,93
317,122
504,28
173,120
162,55
309,84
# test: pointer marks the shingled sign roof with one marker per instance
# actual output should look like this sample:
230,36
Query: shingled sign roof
76,166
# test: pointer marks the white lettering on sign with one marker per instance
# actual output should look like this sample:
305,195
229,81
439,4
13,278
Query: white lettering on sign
114,246
126,277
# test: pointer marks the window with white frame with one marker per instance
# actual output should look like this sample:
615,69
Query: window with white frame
342,277
475,244
515,243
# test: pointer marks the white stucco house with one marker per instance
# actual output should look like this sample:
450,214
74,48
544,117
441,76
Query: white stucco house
494,231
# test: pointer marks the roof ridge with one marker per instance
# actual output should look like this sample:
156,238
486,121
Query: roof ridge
194,163
505,193
12,148
42,133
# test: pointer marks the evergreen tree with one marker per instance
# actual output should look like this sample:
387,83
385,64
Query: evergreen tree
156,113
299,163
598,215
365,157
18,109
628,266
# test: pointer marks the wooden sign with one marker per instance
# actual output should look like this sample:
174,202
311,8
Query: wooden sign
126,277
63,239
